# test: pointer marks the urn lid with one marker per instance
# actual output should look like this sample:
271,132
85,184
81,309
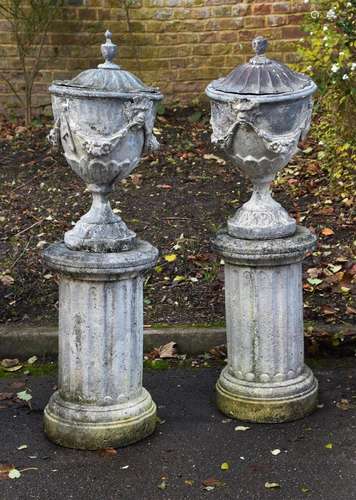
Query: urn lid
107,80
262,76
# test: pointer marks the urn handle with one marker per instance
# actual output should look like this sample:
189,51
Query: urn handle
54,135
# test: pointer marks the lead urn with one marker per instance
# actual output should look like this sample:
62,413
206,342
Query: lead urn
259,113
104,120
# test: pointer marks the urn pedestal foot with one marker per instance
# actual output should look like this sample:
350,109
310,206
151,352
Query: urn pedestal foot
267,403
261,218
265,379
100,400
92,427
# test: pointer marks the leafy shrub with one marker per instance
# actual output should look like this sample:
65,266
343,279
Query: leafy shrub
328,55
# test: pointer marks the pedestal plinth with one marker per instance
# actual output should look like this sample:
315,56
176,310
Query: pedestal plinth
100,401
265,379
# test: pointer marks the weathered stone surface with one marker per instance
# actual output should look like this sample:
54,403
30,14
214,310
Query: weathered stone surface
100,401
265,379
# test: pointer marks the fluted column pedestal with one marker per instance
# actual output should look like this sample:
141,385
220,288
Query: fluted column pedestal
265,379
100,401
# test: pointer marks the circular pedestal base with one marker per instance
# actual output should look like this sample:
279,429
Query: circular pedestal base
267,403
92,427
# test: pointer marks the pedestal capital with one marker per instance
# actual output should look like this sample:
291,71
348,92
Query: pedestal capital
274,252
97,266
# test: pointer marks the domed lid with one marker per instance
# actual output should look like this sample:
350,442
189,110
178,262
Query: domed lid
262,76
107,80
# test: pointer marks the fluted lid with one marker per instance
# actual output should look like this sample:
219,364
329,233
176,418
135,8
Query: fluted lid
262,76
108,79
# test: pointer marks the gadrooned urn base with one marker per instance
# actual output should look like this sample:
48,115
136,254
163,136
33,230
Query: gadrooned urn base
90,427
100,238
254,223
267,403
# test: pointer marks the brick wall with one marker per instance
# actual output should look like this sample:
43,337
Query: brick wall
178,45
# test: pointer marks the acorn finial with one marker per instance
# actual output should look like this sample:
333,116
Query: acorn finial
259,45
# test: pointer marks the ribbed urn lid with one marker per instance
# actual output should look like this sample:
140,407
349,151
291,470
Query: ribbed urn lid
108,78
262,76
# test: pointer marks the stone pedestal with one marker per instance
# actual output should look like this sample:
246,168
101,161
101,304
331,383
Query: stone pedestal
100,401
265,379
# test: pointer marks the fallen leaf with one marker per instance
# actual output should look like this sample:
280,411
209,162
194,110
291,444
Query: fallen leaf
242,428
225,466
170,257
22,447
32,360
24,396
108,451
343,404
9,363
7,280
275,452
4,470
334,268
314,281
14,474
272,485
327,231
329,446
168,350
6,395
162,485
212,483
189,482
13,368
178,278
164,186
214,157
327,310
350,310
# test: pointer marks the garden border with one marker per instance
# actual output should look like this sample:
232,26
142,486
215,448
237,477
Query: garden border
23,340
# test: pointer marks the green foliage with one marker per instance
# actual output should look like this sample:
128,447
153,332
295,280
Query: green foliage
328,55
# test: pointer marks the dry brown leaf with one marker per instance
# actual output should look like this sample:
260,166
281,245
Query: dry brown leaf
6,395
108,452
168,350
327,231
350,310
328,310
7,280
343,404
4,471
9,363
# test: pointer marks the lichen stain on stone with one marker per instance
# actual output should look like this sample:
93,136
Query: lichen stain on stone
77,330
